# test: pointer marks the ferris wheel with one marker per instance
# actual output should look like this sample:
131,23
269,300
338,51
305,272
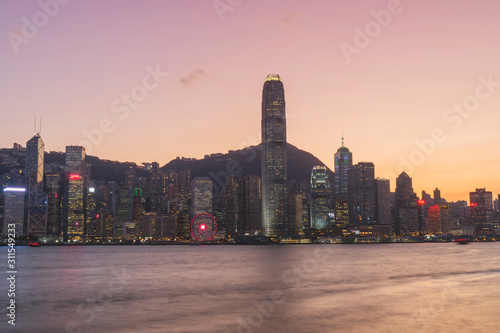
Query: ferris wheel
203,227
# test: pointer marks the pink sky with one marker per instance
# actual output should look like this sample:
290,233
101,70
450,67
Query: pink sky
393,92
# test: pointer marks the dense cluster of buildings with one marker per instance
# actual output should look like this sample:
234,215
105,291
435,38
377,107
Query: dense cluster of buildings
62,202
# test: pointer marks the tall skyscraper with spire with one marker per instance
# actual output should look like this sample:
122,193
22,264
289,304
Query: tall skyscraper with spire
274,157
343,162
37,199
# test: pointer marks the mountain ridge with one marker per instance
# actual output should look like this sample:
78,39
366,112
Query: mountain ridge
217,166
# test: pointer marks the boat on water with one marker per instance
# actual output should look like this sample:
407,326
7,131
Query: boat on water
34,244
462,241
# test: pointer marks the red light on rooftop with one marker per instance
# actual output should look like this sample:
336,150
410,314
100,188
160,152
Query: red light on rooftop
473,204
421,202
74,176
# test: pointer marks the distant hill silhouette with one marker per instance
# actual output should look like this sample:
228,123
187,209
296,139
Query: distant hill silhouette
243,162
246,162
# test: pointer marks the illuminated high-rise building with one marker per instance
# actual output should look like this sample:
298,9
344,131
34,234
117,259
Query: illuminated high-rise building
202,196
92,205
481,207
252,215
274,158
137,209
362,197
53,189
295,211
433,221
445,219
13,214
184,186
37,199
122,206
242,205
383,207
406,209
320,198
74,193
343,162
234,197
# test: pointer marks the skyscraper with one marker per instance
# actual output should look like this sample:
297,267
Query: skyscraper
433,222
383,207
481,207
202,196
437,197
14,209
234,206
242,205
406,211
343,162
37,199
53,189
74,193
92,205
320,198
274,157
295,212
252,204
238,206
121,204
362,197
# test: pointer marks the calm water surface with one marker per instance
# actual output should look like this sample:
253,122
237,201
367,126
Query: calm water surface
295,288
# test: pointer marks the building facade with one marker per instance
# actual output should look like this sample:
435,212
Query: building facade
201,196
343,162
406,210
362,199
321,204
274,158
37,199
13,213
74,193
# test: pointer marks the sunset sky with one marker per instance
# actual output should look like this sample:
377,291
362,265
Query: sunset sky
398,85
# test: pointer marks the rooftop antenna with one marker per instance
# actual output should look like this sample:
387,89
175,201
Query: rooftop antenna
342,139
39,128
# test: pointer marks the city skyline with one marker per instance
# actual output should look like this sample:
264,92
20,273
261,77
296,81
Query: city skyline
342,149
395,91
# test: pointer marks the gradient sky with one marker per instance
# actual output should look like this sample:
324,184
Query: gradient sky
394,91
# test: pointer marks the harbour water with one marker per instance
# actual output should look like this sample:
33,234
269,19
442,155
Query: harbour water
422,287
